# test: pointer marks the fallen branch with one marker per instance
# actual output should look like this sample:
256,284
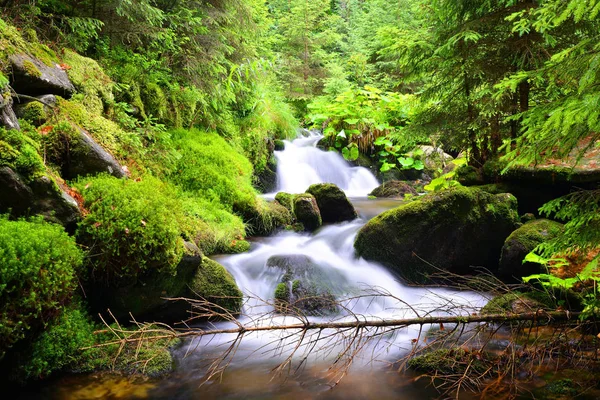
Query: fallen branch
540,316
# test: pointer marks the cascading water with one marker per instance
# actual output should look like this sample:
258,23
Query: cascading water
301,164
365,291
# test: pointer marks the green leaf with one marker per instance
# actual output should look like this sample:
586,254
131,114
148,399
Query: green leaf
351,121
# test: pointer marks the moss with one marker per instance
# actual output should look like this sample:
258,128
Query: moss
35,113
521,242
468,175
90,80
286,200
449,361
282,292
31,69
38,263
307,211
515,302
333,204
20,153
463,227
215,284
563,387
279,145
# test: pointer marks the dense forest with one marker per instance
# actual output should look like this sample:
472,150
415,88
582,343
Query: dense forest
137,138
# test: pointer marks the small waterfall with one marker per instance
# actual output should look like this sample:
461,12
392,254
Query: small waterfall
302,164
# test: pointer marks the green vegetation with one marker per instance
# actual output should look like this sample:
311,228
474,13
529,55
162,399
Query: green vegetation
132,227
38,266
213,283
21,153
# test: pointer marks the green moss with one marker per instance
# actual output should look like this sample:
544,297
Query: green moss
38,263
90,80
133,227
307,211
286,200
35,113
463,227
279,145
31,69
449,361
333,204
215,284
519,302
282,292
21,153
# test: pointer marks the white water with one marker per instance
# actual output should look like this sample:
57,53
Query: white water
302,164
358,284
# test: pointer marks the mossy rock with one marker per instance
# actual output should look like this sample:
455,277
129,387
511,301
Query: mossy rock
451,362
279,145
307,211
529,195
453,230
286,200
518,302
520,243
214,283
333,204
264,218
33,77
305,287
468,175
393,189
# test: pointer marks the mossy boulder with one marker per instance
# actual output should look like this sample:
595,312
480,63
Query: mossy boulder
76,153
393,189
20,196
518,302
304,286
33,77
333,203
36,112
520,243
286,200
279,145
453,230
214,283
306,211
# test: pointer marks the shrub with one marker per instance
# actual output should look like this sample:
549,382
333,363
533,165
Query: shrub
132,227
38,261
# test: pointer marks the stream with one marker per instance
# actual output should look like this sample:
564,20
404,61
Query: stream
366,291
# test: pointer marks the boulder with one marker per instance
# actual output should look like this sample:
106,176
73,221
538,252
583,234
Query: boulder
214,283
286,200
36,112
40,196
520,243
393,189
279,145
304,286
307,211
78,154
8,118
452,230
333,203
32,77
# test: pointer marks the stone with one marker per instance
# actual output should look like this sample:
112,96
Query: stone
307,211
32,77
393,189
453,230
333,204
522,241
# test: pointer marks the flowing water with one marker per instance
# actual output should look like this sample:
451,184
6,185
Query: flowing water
366,291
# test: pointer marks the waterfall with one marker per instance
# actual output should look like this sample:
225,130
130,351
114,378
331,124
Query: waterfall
302,164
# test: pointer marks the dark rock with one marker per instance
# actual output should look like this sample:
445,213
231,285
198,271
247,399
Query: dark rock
32,77
279,145
393,189
520,243
304,286
41,196
36,112
453,230
307,211
529,195
267,178
332,202
82,156
8,118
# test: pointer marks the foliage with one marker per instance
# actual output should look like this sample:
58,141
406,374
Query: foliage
38,263
448,179
132,227
20,152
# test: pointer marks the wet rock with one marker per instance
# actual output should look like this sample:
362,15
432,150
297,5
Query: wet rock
8,118
304,286
520,243
307,211
454,230
393,189
32,77
333,204
41,196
